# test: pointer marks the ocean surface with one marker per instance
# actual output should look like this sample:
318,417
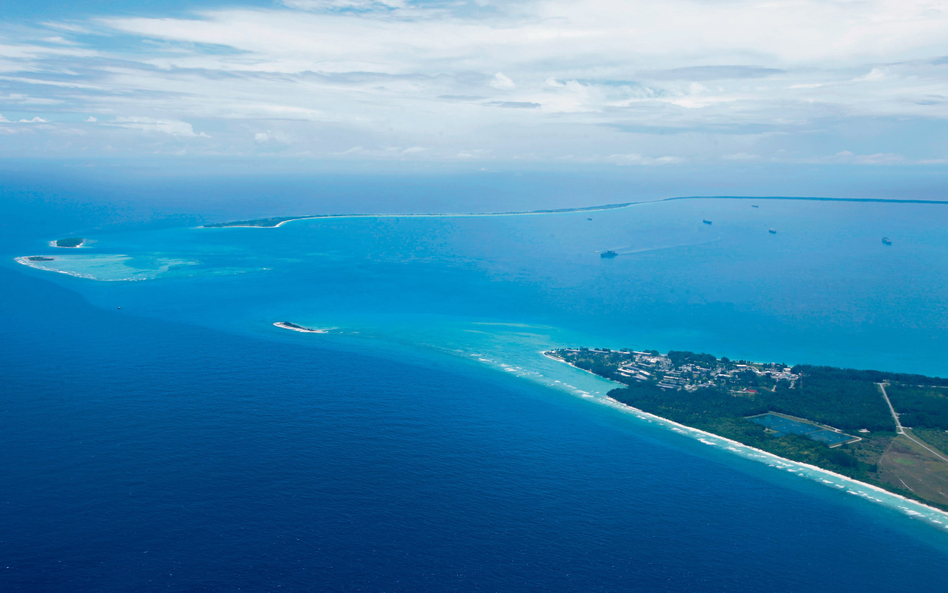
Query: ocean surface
159,433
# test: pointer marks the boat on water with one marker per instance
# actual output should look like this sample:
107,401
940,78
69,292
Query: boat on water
608,254
706,221
588,218
754,206
886,241
772,231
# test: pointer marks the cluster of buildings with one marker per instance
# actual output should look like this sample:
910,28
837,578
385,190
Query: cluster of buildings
697,370
648,366
775,371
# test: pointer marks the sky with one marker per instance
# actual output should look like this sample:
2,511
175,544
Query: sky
644,85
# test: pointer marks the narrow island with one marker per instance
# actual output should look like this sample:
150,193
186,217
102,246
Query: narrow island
299,328
888,430
278,221
70,242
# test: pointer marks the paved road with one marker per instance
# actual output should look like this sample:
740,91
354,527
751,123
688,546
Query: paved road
901,431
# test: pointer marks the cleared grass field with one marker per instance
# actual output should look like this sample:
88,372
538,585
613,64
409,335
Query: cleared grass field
906,464
934,437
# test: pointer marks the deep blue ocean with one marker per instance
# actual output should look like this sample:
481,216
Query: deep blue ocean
183,443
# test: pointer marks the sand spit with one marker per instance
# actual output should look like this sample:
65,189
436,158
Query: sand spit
299,328
931,514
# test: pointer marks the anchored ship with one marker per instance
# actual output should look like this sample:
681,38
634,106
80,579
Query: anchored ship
706,221
772,231
886,241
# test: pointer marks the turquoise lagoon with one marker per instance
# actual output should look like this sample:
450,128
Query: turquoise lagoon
497,291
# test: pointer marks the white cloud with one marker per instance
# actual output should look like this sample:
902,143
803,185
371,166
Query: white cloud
59,40
90,120
638,159
3,119
316,5
879,158
740,156
387,153
273,139
35,120
171,127
501,82
25,99
600,77
54,83
70,27
874,75
659,34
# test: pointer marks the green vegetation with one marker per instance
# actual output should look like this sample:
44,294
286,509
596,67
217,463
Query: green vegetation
718,396
682,357
258,222
920,406
872,376
70,242
835,399
717,411
276,220
933,437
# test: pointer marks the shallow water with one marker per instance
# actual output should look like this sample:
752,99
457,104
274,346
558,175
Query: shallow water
418,443
823,289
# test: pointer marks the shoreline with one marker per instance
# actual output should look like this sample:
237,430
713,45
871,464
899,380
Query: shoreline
601,208
425,215
54,243
25,261
37,265
299,328
697,433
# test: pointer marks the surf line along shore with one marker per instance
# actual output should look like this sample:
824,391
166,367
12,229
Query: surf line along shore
299,328
908,506
278,221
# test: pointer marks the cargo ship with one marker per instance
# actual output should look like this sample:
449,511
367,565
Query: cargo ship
706,221
608,254
772,231
886,241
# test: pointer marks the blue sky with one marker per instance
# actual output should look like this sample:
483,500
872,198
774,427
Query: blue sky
558,83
